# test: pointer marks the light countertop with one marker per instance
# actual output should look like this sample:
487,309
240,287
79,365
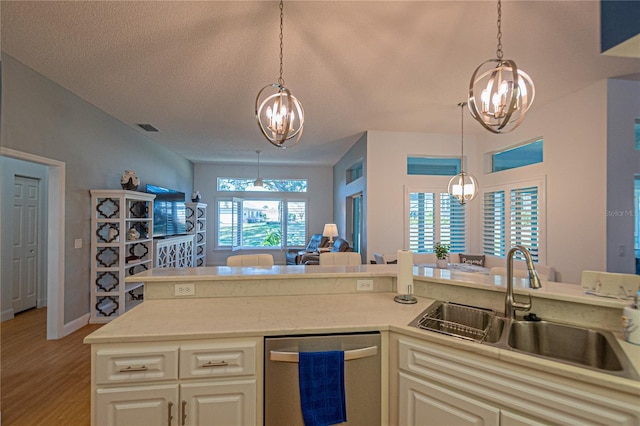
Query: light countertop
550,290
180,319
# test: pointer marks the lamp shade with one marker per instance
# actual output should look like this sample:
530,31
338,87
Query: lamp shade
330,230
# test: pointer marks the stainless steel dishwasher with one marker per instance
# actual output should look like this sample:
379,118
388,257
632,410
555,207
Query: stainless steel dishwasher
361,376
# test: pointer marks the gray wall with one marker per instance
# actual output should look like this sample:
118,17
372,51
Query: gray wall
343,191
623,162
42,118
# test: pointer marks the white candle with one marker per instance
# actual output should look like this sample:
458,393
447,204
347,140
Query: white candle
405,271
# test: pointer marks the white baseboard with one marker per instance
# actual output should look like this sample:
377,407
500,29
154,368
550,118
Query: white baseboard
74,325
6,315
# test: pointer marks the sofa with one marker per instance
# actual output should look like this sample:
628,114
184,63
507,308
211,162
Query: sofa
545,272
317,241
339,245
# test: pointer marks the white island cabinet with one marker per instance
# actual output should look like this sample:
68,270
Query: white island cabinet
441,385
198,382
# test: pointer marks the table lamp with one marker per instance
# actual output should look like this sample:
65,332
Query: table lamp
330,230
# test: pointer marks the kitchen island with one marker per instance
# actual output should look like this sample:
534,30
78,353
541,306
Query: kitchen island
231,310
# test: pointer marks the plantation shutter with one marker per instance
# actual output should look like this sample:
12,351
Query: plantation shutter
422,227
494,223
524,223
452,223
296,223
224,223
236,224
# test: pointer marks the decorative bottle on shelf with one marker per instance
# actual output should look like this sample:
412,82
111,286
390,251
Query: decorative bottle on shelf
129,180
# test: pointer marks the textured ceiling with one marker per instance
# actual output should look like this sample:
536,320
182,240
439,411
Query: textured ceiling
193,69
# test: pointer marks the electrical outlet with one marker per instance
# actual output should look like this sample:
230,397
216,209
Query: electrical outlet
364,285
185,289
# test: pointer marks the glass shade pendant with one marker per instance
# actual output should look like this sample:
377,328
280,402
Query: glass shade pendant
500,94
279,114
463,186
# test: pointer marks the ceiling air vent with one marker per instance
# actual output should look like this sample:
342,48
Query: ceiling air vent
147,127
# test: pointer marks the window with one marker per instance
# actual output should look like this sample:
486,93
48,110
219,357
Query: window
513,215
519,156
264,220
354,172
270,185
256,222
637,133
433,166
435,216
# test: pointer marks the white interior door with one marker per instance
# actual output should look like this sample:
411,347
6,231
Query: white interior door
25,243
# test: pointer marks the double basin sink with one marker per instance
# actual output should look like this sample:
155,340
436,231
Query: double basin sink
584,347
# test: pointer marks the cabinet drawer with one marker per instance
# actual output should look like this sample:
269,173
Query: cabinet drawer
218,359
136,364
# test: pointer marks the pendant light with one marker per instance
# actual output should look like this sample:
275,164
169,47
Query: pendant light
279,114
500,94
258,182
463,186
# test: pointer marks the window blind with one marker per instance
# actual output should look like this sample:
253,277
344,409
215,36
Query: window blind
524,224
436,217
494,221
422,229
452,223
296,223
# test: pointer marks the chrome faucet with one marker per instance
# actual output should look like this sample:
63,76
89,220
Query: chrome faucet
510,305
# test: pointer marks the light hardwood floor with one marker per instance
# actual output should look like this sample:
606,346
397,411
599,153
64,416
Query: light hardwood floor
44,382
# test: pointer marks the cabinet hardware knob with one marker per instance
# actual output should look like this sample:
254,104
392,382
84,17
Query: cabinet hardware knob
209,364
129,369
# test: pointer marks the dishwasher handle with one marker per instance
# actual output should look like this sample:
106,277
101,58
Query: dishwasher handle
348,355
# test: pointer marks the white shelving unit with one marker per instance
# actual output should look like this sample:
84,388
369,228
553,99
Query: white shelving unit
174,252
197,225
121,245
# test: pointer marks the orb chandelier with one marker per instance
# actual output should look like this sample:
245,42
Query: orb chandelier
279,114
463,186
500,94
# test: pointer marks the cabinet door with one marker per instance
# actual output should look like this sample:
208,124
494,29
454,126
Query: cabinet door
135,406
423,403
228,402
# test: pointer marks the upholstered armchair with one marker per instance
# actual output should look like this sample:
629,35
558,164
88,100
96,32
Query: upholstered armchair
316,242
339,245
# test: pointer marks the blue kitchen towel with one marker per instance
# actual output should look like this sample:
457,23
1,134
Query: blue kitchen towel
322,395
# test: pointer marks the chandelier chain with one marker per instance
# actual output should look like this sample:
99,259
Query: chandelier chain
281,80
499,23
462,104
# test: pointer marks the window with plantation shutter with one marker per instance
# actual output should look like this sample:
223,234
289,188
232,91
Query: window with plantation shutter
494,220
296,223
514,215
236,224
435,216
225,223
452,223
422,227
524,225
261,222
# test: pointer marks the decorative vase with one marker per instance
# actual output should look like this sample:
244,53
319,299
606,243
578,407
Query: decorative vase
133,234
129,180
195,197
441,263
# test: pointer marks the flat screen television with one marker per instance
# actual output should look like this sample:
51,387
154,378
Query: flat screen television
169,214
